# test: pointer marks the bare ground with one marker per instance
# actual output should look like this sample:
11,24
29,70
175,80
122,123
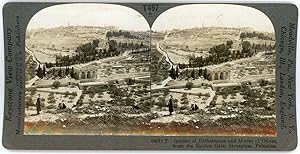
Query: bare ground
187,123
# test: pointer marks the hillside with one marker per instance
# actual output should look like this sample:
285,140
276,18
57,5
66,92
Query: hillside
197,41
47,43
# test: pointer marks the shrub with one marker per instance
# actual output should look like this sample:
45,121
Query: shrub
51,106
52,101
184,99
205,94
29,101
224,96
175,103
189,85
71,97
91,95
161,102
145,106
129,81
129,101
32,91
184,107
56,84
212,104
102,103
263,82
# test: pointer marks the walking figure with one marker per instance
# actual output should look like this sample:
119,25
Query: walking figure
38,104
170,104
194,106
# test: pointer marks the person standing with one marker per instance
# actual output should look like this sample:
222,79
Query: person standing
38,104
170,105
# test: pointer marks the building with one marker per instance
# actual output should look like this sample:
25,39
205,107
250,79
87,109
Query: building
85,71
218,72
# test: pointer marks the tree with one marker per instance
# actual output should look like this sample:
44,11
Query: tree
205,75
67,70
129,81
96,42
112,44
189,85
184,99
246,45
193,74
263,82
200,72
177,72
242,35
229,43
39,72
72,73
172,73
59,73
44,71
56,84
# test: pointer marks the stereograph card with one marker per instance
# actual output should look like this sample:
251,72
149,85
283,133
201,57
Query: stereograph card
150,76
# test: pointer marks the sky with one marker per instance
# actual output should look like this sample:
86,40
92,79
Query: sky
89,15
217,15
180,17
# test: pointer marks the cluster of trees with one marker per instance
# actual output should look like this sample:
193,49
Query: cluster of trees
254,97
133,46
88,52
174,72
255,34
41,72
221,53
218,54
62,73
188,73
121,33
120,95
159,67
194,74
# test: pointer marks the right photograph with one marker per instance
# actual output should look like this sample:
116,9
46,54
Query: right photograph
213,71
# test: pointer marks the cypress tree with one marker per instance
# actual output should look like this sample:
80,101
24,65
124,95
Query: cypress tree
39,72
44,71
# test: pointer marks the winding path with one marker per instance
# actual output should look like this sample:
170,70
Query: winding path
31,53
164,53
33,56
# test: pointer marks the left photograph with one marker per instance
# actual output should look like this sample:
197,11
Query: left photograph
87,70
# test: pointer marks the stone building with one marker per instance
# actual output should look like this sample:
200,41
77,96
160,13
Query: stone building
85,72
218,73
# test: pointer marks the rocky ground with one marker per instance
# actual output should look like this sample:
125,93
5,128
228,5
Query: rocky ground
129,121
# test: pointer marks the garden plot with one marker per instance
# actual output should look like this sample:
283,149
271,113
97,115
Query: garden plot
50,98
235,97
88,98
200,96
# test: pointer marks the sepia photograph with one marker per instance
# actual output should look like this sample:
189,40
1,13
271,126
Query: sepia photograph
213,65
101,69
87,70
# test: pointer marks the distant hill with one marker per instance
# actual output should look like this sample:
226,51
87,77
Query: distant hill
64,38
46,43
202,39
180,44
